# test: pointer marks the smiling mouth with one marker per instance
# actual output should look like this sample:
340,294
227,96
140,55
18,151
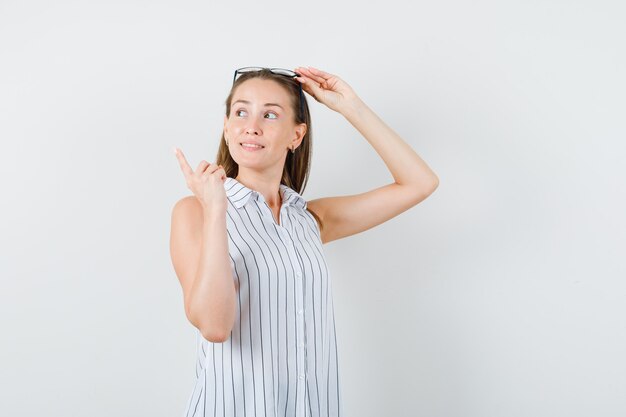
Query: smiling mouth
252,146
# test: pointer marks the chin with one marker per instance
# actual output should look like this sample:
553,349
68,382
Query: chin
248,164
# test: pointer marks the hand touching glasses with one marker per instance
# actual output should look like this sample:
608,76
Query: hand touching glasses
326,88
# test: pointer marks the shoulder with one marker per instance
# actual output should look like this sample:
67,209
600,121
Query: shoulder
187,210
188,203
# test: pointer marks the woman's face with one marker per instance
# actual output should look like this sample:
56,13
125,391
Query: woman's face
261,112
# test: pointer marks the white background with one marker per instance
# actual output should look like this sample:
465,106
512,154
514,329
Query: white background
502,294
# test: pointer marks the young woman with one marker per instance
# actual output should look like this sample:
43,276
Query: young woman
247,247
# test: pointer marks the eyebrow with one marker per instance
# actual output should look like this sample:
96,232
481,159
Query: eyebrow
266,104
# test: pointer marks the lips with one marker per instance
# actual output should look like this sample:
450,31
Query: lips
252,143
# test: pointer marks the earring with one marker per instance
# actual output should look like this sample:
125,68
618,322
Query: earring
293,150
226,140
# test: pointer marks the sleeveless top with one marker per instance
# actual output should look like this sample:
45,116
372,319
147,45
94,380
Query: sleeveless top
281,358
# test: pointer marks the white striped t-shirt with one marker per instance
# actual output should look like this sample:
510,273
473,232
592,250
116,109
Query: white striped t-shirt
281,358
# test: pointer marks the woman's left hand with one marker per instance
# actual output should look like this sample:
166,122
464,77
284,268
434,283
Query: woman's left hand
326,88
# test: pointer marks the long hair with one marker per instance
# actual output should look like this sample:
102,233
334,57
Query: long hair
297,165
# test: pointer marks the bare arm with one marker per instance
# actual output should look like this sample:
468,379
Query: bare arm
344,216
199,251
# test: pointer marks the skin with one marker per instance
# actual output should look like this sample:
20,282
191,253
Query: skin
341,216
272,126
199,247
414,181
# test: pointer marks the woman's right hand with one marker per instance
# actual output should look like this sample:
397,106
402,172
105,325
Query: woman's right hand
206,182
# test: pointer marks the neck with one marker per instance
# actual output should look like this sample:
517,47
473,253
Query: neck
268,188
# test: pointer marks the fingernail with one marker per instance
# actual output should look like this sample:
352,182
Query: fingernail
174,149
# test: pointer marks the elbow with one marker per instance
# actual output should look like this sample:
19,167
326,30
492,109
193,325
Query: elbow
215,336
431,186
210,332
434,184
425,189
215,325
432,181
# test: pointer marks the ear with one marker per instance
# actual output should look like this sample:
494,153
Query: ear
301,130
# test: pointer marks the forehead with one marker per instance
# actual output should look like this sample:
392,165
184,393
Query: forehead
261,91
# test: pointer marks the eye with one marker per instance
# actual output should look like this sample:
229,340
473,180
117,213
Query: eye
272,113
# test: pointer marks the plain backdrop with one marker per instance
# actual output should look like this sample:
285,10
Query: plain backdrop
502,294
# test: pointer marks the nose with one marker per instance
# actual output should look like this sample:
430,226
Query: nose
252,127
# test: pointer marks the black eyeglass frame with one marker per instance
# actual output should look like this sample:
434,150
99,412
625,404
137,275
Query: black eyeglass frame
290,73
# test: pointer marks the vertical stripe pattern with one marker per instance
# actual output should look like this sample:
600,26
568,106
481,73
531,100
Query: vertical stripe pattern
281,358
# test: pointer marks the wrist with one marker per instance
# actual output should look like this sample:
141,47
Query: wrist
353,107
212,213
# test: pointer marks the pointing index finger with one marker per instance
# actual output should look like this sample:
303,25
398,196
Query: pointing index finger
184,165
